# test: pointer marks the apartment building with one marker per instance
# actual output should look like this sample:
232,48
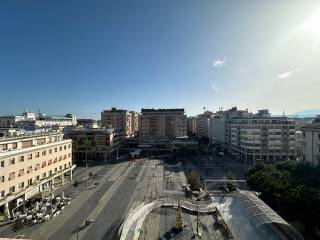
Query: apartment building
202,124
31,165
311,142
217,130
33,122
191,125
261,137
157,123
87,123
134,122
120,120
94,144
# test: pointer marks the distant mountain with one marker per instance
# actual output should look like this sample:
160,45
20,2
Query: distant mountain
306,113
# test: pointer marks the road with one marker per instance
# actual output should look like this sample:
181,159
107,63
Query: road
122,187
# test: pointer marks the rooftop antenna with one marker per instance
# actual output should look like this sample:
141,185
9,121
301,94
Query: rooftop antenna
204,109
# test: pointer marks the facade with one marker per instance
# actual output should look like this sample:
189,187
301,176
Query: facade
260,137
202,124
120,120
99,144
38,122
10,121
88,123
31,165
134,123
217,130
158,123
311,143
191,125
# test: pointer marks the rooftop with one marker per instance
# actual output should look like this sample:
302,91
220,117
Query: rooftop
249,218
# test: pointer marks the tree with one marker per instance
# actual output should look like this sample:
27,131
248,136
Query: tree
291,188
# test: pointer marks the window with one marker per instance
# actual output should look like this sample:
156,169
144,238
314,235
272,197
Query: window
37,154
2,164
38,178
12,161
69,146
21,185
3,147
2,179
12,189
65,147
44,175
50,151
29,170
21,159
30,156
2,194
21,172
30,182
12,175
55,149
44,153
60,148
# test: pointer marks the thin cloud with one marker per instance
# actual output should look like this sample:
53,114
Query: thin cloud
214,87
287,74
220,62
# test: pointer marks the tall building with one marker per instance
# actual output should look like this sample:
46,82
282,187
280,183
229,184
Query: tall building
202,124
191,125
311,142
171,123
121,120
261,137
31,165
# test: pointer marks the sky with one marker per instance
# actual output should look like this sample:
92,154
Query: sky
85,56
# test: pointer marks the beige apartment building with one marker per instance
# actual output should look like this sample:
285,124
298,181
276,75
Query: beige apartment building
157,123
31,165
121,120
260,137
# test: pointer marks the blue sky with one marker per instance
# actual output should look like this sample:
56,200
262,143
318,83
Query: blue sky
85,56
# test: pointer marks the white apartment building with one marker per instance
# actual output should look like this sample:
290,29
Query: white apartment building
31,165
157,123
311,143
38,122
260,137
121,120
202,124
